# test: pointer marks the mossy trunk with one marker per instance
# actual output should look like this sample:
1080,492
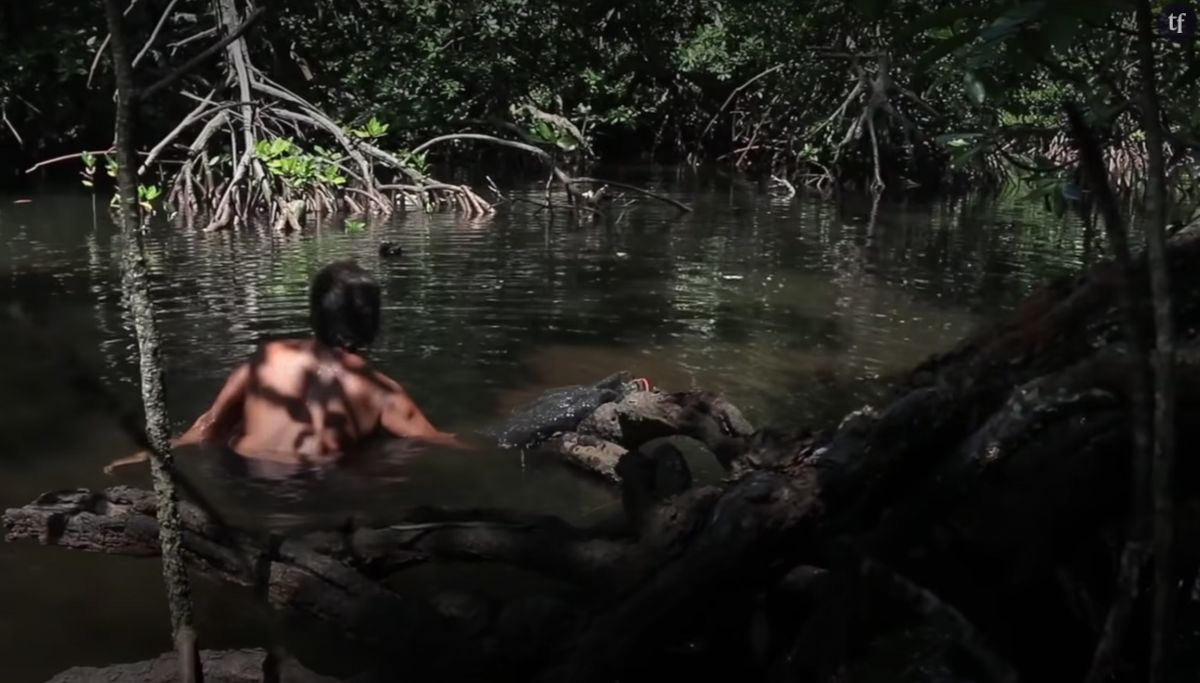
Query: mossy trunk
137,299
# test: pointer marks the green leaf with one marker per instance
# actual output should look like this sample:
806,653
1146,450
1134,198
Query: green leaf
375,128
544,132
87,183
355,224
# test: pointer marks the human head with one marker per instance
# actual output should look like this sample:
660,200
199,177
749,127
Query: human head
344,306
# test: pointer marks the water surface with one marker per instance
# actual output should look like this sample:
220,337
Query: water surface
795,310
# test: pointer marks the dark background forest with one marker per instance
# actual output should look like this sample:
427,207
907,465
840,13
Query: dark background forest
961,91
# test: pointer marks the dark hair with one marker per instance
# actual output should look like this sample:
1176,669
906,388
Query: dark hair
344,306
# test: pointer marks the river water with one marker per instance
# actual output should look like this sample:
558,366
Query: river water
796,310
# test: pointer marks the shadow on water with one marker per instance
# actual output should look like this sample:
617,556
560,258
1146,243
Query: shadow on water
797,311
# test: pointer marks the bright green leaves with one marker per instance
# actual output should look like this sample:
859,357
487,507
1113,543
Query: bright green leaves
550,129
287,161
544,132
418,162
89,169
274,148
146,196
707,51
355,225
374,130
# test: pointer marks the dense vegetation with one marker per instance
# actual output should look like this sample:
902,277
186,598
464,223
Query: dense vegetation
974,90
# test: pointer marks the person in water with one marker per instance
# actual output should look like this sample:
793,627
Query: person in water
312,400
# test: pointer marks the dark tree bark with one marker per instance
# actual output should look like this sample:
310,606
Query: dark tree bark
1134,554
1164,389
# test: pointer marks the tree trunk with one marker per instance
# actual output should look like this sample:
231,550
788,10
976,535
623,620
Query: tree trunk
137,298
1164,353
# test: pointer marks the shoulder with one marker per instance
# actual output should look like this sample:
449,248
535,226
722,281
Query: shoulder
354,362
387,384
279,349
357,369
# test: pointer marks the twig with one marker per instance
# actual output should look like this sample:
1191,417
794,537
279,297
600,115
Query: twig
221,217
11,127
193,38
195,115
791,189
876,184
841,110
382,202
194,62
104,43
154,34
734,94
66,157
536,151
96,60
632,188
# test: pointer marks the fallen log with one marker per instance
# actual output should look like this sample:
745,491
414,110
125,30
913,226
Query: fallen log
224,666
592,427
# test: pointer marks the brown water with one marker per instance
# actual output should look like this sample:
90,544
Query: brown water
796,310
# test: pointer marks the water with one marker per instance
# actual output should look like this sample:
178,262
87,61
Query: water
795,310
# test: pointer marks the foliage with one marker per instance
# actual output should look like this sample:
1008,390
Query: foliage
89,169
653,78
299,169
373,130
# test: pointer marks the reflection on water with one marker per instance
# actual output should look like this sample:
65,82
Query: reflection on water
796,311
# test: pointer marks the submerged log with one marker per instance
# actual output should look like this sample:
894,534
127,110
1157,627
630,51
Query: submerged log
223,666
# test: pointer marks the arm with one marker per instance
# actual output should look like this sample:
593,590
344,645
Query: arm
216,423
222,417
401,417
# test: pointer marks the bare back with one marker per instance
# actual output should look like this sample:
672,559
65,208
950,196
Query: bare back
306,400
298,399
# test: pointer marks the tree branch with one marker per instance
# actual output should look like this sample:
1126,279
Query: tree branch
154,34
188,66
